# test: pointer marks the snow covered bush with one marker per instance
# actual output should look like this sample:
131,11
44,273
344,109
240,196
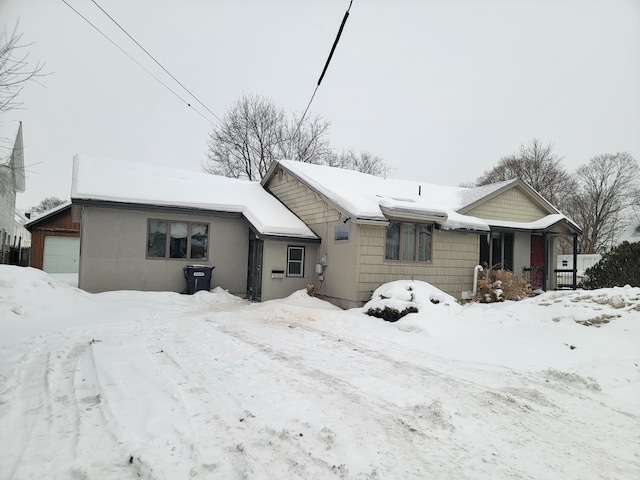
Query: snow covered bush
390,314
501,285
392,301
619,267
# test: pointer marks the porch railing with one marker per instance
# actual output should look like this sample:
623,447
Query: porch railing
564,279
535,276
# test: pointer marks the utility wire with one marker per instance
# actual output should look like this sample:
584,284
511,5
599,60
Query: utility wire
326,65
153,58
138,63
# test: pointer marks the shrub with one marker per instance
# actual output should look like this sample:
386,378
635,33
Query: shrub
390,314
616,268
501,285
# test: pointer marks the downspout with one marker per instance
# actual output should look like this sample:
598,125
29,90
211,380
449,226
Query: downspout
575,261
476,270
545,261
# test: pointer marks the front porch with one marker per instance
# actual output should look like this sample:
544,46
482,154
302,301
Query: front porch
532,254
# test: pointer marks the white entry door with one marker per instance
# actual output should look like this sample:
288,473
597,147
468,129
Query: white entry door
61,255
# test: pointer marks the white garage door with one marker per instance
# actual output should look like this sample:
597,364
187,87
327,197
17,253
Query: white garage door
61,255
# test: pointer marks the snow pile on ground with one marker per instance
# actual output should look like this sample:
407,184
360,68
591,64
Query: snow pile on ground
411,294
130,385
595,307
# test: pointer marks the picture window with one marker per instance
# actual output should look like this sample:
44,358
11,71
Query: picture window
186,240
408,242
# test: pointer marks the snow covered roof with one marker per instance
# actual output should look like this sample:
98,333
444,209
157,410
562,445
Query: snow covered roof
118,181
48,213
368,197
541,224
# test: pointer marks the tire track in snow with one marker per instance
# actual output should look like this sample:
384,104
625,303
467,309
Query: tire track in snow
510,411
24,427
262,433
412,431
51,425
97,430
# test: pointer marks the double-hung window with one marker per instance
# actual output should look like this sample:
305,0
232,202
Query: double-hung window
295,261
187,240
408,242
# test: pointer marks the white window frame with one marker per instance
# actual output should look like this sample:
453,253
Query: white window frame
291,261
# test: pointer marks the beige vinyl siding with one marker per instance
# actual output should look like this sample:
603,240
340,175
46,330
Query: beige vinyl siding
357,267
451,269
512,205
339,282
302,201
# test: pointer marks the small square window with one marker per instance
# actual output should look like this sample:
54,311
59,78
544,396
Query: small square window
341,233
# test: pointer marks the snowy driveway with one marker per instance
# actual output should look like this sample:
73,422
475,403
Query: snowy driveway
210,387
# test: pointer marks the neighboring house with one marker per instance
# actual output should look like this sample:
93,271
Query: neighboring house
55,240
142,224
21,235
12,181
20,241
565,268
375,230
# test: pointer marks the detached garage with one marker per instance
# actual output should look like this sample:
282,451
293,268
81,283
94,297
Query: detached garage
55,241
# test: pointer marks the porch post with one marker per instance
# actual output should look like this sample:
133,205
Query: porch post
545,262
575,261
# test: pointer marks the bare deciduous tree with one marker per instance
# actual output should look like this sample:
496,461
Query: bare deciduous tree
47,204
365,162
15,69
255,132
607,187
539,166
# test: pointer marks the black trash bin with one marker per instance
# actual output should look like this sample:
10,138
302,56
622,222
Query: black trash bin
198,277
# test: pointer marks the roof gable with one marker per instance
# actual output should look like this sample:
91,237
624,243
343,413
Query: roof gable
48,214
512,204
506,192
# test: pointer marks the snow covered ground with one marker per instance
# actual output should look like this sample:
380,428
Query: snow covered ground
129,385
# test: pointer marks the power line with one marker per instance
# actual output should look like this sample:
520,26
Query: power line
137,63
153,58
326,65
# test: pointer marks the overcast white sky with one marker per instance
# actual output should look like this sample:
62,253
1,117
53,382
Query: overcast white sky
441,89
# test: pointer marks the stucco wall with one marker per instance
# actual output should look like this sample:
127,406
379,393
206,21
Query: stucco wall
113,252
275,258
512,205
